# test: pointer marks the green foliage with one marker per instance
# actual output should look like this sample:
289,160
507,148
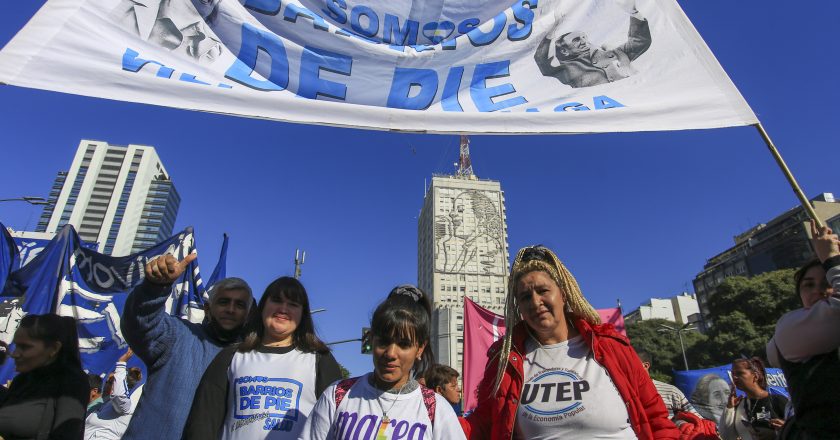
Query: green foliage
745,311
345,373
664,347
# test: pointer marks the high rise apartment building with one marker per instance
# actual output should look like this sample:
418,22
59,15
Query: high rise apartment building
781,243
462,251
119,197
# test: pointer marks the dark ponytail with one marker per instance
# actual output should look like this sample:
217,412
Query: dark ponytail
406,314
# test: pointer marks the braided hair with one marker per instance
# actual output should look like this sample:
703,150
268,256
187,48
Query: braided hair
533,259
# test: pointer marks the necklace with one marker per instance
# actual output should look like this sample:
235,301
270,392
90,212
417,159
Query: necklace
385,419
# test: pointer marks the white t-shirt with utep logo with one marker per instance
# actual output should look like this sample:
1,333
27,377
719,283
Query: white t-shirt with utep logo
568,395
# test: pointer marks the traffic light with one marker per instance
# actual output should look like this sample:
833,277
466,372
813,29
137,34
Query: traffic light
367,345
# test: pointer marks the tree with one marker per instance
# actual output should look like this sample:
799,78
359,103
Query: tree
345,373
664,347
744,313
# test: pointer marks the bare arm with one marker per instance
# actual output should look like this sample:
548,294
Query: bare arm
804,333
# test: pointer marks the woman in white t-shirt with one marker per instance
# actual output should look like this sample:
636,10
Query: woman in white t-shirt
559,373
265,387
388,403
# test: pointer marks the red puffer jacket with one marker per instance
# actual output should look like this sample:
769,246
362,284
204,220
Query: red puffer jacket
495,415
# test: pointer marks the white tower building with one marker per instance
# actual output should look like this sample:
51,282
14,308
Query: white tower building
462,251
119,197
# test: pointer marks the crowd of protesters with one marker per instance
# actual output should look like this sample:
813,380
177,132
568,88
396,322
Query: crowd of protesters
557,373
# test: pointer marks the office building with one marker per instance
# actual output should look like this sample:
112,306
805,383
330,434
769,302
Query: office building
681,309
462,251
120,197
781,243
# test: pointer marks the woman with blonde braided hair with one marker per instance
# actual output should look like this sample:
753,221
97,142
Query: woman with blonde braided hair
559,372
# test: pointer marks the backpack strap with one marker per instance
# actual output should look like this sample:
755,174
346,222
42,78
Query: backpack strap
429,401
342,388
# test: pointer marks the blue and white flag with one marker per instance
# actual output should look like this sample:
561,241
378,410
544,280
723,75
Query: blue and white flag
220,272
444,66
708,389
29,248
72,280
9,260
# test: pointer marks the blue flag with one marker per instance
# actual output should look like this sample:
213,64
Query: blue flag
708,389
69,278
8,255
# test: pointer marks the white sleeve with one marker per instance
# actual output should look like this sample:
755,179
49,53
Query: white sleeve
446,425
804,333
727,425
832,275
120,396
319,424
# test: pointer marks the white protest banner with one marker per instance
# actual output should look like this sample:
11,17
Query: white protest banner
442,66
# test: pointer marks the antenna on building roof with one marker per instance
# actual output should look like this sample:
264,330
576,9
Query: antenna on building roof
465,170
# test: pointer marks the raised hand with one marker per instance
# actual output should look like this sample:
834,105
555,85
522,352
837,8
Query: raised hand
825,242
166,269
126,356
734,400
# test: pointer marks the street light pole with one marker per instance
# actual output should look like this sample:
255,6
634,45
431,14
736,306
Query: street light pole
682,346
686,327
344,341
28,199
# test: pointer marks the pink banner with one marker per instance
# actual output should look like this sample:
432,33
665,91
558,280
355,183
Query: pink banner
481,328
614,317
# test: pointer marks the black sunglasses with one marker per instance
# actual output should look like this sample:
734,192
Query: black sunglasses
537,252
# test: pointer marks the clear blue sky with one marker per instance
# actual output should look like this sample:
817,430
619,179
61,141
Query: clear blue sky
634,216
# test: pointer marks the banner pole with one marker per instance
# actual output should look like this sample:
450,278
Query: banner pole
806,204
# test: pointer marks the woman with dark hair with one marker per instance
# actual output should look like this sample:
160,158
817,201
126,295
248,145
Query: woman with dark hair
389,403
48,398
265,387
760,414
806,342
558,372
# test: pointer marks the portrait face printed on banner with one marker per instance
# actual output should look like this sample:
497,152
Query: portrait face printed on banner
31,353
281,317
710,395
814,287
573,45
229,308
568,55
393,360
541,302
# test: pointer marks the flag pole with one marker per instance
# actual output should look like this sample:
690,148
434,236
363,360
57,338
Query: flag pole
792,180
